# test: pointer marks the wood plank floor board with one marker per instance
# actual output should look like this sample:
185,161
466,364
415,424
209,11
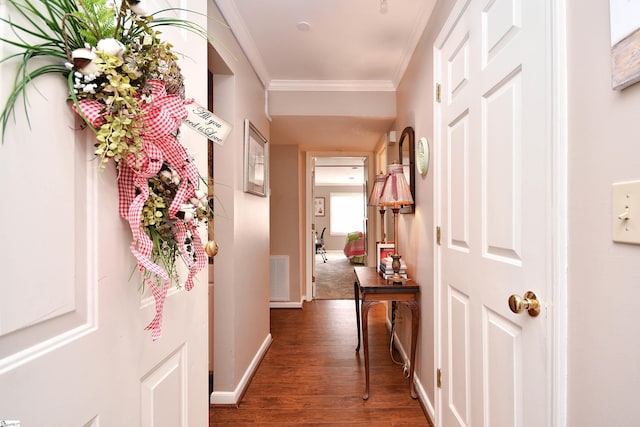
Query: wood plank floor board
312,375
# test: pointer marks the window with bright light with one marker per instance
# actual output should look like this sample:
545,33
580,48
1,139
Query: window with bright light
346,212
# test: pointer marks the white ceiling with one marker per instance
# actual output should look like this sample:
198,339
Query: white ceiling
334,171
343,46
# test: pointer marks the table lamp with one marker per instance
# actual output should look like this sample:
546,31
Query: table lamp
374,200
396,193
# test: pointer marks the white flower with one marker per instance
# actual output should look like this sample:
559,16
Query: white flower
171,175
136,7
189,211
111,47
201,194
138,10
83,61
200,199
90,88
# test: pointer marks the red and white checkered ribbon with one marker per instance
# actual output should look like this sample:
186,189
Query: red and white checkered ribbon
200,257
91,109
161,118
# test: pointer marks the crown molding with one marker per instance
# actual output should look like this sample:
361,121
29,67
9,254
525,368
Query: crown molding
240,31
416,33
232,16
332,85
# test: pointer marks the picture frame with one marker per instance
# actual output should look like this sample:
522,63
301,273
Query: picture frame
383,250
256,161
625,43
318,206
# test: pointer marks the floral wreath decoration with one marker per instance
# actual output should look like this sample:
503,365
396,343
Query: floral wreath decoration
124,82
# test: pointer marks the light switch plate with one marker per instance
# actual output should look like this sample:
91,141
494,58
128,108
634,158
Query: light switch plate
625,215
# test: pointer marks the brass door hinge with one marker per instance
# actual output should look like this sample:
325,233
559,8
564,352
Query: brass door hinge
439,378
437,92
438,235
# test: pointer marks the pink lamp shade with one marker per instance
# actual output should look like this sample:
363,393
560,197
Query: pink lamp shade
396,191
376,191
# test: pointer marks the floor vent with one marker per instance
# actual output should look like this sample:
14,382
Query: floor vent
279,278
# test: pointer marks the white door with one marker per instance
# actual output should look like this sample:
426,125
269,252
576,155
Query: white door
492,60
73,349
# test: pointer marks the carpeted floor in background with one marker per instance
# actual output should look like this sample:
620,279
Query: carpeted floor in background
334,278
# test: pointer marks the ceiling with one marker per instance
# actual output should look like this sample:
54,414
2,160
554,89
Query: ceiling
329,50
339,171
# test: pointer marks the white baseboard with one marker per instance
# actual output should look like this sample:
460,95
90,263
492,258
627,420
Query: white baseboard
420,391
285,304
422,395
233,397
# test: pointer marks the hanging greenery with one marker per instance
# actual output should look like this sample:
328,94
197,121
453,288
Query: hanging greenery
125,83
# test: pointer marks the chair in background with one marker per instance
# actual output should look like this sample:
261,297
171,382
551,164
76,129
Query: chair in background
320,245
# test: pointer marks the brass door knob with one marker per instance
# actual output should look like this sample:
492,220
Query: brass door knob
529,302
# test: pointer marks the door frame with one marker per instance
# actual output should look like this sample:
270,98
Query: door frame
309,218
556,378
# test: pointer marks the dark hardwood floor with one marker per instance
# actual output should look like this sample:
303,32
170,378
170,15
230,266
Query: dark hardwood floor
312,375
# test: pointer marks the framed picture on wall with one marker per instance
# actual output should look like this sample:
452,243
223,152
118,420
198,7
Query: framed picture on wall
383,251
256,161
624,18
318,206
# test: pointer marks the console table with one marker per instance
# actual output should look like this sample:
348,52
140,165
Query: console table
371,288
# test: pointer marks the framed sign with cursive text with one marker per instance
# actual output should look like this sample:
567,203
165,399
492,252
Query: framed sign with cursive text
206,123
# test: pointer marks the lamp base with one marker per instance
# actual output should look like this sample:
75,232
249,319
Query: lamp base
396,278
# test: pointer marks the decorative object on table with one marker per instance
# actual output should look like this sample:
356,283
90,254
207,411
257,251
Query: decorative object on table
422,156
256,161
396,194
388,272
384,250
374,200
318,206
125,83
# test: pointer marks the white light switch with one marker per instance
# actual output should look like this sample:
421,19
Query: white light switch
625,216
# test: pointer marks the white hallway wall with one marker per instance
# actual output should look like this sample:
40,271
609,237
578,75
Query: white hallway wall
604,147
241,308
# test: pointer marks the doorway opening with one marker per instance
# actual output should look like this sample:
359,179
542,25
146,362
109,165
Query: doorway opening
339,223
220,86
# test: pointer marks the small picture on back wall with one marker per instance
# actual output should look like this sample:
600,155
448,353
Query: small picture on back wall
318,205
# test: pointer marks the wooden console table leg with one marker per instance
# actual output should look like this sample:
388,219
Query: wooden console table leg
415,321
365,341
356,290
